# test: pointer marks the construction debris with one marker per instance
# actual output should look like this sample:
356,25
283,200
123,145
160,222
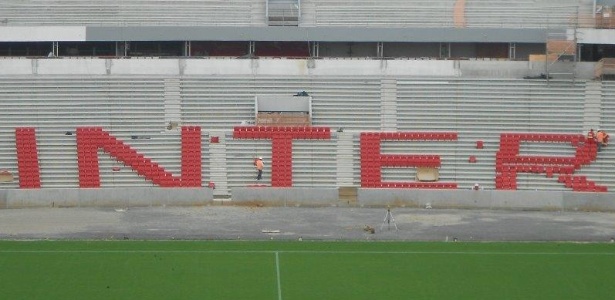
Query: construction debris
369,229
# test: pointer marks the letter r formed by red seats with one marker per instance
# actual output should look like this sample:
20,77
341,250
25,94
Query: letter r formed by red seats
509,162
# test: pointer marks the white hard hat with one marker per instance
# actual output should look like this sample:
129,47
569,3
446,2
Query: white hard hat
260,158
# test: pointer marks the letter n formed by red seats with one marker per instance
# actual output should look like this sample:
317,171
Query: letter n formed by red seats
90,139
509,162
372,160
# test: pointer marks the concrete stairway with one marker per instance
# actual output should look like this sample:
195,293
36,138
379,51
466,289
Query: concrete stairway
344,159
592,107
388,109
218,169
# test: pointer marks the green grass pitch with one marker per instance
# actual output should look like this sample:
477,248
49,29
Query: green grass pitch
271,270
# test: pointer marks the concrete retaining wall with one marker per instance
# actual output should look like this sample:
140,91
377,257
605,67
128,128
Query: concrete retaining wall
116,197
284,67
526,200
462,199
268,196
488,199
286,196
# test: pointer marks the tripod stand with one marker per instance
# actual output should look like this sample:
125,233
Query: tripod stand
388,220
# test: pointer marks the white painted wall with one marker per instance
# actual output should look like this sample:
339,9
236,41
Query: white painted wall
144,66
42,33
16,66
70,66
595,36
277,67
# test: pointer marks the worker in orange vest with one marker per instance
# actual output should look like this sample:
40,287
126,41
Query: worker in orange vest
259,165
600,139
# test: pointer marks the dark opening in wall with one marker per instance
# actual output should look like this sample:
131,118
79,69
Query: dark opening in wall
26,48
86,49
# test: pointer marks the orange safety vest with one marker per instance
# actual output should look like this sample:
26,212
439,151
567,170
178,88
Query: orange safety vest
259,164
600,136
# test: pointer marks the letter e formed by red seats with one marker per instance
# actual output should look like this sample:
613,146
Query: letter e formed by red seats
372,160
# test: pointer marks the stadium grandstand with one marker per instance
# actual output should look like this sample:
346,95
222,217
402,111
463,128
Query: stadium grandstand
334,94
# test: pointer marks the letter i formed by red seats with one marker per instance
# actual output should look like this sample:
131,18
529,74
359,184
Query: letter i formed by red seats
27,158
191,157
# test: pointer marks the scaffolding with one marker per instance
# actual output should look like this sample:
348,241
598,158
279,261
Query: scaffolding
561,54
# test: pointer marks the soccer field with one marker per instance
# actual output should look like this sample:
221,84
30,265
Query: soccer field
304,270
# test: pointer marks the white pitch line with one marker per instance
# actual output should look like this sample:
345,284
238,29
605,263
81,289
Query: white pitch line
308,252
277,270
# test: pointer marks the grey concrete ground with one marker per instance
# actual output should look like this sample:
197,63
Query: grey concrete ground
292,223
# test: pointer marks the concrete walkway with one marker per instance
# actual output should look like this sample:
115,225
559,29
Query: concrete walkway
293,223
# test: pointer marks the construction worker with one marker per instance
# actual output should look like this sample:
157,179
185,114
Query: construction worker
591,136
259,165
600,139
